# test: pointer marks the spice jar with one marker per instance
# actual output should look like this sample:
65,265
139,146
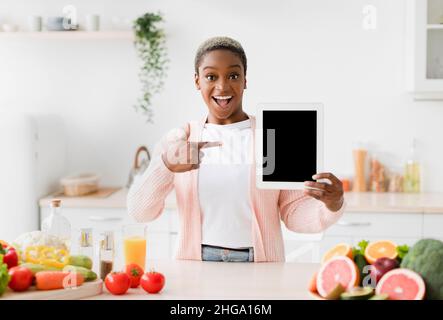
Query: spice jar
106,254
377,175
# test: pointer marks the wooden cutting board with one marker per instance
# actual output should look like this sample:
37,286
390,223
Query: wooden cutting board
101,193
87,289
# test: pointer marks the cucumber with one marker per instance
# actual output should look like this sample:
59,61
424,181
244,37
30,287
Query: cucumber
336,292
361,262
382,296
37,267
358,293
80,261
89,275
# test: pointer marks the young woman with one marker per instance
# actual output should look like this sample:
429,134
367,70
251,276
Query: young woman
223,216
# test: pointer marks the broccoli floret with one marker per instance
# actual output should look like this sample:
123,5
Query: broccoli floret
426,258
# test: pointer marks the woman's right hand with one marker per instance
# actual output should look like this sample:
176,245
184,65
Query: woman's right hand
182,155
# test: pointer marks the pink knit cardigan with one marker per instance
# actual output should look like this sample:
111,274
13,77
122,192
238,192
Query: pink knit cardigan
300,213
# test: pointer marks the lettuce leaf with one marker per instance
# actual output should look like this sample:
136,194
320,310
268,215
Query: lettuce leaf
360,248
402,251
4,276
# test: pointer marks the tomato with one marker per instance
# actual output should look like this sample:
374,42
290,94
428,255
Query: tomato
135,272
152,282
21,278
117,282
10,256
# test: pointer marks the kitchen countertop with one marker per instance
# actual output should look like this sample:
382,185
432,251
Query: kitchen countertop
116,200
357,202
187,279
394,202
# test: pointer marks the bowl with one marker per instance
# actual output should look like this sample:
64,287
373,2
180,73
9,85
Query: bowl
80,185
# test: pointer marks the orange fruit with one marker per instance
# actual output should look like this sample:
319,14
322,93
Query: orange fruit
313,284
380,249
337,270
341,249
4,243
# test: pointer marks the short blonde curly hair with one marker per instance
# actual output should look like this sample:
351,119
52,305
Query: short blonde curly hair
220,43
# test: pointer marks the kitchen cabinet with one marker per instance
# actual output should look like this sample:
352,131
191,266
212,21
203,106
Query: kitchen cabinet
389,225
433,226
311,250
399,227
424,49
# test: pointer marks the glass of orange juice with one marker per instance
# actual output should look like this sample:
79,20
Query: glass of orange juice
134,244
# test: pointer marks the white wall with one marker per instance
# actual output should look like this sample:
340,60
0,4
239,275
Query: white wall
312,50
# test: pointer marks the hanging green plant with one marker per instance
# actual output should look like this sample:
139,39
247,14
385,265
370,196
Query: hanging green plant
150,43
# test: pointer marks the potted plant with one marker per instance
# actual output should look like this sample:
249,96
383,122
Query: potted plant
150,43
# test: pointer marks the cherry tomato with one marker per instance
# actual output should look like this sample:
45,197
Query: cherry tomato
135,272
117,282
21,278
152,281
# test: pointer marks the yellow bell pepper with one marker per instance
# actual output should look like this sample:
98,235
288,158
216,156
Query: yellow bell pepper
47,256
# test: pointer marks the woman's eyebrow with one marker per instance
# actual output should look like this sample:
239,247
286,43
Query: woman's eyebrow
235,66
232,66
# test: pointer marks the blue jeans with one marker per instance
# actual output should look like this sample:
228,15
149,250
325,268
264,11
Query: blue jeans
212,253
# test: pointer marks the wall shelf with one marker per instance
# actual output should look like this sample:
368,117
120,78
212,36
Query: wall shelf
68,35
435,26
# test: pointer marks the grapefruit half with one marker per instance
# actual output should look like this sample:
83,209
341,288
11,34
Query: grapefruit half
337,270
402,284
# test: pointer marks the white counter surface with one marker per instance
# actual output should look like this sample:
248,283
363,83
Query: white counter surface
357,202
186,279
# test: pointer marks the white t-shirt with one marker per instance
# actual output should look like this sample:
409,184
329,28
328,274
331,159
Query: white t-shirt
223,185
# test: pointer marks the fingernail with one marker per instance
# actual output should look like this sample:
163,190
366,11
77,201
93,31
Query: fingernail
314,177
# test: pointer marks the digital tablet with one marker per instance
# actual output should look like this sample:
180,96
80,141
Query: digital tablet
288,144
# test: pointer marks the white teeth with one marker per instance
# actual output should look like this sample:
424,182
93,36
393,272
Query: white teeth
222,97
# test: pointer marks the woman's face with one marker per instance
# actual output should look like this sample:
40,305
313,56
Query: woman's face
221,80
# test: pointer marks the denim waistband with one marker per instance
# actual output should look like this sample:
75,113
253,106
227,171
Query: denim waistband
215,253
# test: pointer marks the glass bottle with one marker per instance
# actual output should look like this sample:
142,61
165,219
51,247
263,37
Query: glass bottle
106,254
86,243
412,173
56,224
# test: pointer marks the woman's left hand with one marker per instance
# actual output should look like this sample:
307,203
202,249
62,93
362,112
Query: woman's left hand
331,194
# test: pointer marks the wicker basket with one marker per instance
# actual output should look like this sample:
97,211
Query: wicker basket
80,185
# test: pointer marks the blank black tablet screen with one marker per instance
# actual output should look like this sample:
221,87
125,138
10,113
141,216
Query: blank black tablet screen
293,155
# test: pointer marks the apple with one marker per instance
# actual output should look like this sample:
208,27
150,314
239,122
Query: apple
382,266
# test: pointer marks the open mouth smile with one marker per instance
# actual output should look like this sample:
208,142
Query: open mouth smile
222,101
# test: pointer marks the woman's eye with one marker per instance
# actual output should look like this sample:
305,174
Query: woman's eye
233,76
210,77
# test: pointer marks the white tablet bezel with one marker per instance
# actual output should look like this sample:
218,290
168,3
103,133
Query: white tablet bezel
284,185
